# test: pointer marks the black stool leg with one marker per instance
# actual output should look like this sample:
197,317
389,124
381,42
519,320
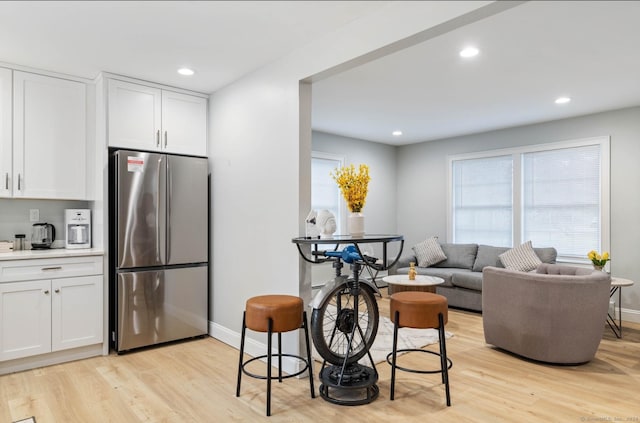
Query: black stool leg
443,358
393,359
280,357
244,329
269,336
306,341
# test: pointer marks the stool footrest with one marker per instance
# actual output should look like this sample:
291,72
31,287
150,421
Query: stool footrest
390,357
302,359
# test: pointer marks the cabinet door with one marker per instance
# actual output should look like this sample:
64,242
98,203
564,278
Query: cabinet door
6,153
134,114
25,319
76,312
49,137
184,124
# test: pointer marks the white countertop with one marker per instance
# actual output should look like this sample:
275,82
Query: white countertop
51,253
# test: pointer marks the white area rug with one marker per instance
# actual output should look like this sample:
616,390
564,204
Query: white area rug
407,338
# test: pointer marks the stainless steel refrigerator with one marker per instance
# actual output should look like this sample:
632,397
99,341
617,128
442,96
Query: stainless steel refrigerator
159,248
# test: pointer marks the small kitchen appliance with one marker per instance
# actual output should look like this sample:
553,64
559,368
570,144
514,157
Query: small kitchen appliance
77,228
42,235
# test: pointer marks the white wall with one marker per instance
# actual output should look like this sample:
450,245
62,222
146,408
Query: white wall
15,216
422,174
259,144
380,209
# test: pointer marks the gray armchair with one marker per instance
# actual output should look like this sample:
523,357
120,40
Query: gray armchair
555,314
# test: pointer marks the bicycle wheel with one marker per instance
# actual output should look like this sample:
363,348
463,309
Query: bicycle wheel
333,322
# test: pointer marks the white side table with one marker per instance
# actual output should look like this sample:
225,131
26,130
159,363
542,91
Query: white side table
423,283
616,286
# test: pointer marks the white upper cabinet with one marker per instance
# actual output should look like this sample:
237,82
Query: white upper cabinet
147,118
6,153
49,137
184,123
134,115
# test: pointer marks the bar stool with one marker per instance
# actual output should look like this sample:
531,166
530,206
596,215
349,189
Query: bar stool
274,314
421,310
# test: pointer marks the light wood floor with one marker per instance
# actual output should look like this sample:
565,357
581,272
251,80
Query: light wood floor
194,381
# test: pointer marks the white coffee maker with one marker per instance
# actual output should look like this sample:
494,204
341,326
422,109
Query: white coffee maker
77,228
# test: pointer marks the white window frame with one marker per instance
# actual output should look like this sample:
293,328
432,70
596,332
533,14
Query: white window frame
517,154
342,209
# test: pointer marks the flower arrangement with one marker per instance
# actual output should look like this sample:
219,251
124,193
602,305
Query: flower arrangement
353,185
598,259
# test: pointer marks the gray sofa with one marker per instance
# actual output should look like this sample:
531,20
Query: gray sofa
554,314
462,270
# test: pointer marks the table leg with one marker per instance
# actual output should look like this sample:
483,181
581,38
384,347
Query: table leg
616,327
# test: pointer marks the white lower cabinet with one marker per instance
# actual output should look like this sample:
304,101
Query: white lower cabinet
48,315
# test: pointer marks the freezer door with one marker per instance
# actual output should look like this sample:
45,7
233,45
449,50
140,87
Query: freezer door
187,210
161,306
141,209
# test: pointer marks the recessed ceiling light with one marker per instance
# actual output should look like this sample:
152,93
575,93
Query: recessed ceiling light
185,71
562,100
469,52
396,133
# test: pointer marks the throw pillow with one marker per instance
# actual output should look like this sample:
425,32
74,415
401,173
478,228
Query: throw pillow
428,252
521,258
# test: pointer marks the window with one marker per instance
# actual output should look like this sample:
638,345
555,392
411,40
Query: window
325,193
482,200
552,194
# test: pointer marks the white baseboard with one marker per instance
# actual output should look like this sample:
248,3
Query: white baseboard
629,315
254,348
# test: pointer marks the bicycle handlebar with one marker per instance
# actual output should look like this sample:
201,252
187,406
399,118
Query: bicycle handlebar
349,254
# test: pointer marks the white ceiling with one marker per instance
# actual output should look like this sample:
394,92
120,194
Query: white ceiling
150,40
529,55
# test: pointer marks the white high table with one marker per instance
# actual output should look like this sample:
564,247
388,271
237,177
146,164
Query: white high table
616,286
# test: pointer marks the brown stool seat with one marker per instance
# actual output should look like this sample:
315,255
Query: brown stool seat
419,309
274,314
422,310
284,310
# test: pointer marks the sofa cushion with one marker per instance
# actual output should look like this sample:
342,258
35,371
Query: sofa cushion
428,252
469,280
459,255
547,254
488,256
521,258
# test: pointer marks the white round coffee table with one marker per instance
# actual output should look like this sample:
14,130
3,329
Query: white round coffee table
423,283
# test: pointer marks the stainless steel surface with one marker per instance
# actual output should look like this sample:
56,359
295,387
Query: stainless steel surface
161,282
42,235
161,305
187,210
140,209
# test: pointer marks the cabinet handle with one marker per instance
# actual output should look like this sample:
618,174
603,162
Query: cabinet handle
6,180
44,269
165,139
57,291
19,179
158,138
46,291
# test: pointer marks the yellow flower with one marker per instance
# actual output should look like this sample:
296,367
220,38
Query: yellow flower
598,259
353,185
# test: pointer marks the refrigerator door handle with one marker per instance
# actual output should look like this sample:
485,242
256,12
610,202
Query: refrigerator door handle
169,200
158,258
